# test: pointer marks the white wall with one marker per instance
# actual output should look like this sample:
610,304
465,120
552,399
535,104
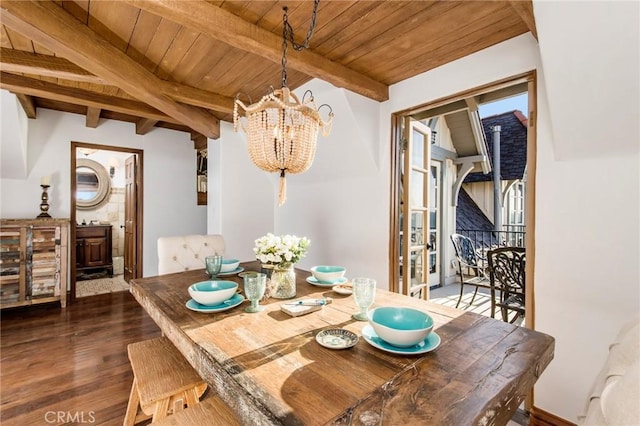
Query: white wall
13,126
240,195
170,205
587,197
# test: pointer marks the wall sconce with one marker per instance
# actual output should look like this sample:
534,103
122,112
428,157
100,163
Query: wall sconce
113,164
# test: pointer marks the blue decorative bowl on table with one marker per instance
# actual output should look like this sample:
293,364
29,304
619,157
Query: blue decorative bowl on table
229,265
210,293
328,274
400,326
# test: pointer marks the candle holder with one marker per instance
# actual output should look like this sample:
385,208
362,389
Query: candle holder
44,205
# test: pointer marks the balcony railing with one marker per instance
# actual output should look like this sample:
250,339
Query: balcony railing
483,241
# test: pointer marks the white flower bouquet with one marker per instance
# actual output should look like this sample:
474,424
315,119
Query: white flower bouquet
281,250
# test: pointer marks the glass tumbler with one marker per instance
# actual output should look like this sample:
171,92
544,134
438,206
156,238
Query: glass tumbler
364,293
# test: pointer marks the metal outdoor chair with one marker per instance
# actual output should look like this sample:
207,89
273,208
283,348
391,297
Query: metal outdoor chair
471,269
507,276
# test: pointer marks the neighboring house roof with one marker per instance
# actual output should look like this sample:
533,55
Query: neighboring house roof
469,215
513,146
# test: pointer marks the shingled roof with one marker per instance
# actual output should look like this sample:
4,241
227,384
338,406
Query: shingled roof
513,146
469,215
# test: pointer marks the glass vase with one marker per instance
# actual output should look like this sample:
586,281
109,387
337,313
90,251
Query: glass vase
283,282
267,268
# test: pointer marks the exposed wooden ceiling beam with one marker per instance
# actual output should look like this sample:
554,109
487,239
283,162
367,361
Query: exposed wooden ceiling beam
18,61
144,125
51,26
93,117
197,97
199,140
15,61
524,9
40,88
28,104
233,30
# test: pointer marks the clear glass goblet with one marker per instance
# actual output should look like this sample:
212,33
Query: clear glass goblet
255,285
213,265
364,293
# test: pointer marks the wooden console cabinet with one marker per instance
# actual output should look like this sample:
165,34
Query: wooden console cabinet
33,261
93,249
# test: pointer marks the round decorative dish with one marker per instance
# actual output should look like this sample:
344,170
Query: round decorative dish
235,300
235,271
427,345
343,289
313,281
337,338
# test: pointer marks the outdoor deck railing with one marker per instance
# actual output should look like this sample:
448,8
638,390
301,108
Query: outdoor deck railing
483,241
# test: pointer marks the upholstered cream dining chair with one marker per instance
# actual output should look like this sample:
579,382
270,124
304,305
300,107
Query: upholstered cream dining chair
183,253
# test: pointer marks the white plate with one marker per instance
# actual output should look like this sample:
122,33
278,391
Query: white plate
235,271
337,338
430,343
313,281
235,300
343,288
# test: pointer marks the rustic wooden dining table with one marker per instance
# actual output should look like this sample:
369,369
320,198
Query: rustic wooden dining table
269,368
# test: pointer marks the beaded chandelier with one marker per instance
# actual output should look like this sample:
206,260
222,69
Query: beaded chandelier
282,131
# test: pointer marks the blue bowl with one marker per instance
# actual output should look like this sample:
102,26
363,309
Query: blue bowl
212,293
399,326
229,265
328,274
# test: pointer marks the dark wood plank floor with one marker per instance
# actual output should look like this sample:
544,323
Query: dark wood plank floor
70,366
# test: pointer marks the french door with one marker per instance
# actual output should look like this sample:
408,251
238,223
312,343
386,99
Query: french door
415,213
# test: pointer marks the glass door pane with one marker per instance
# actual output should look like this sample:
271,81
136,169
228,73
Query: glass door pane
435,183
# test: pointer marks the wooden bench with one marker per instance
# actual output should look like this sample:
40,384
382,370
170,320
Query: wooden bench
210,411
163,381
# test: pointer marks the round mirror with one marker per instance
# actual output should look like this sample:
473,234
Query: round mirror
92,184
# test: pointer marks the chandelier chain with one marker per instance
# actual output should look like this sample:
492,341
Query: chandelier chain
287,34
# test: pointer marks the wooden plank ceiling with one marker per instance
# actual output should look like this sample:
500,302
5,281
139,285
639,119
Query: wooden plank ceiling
180,64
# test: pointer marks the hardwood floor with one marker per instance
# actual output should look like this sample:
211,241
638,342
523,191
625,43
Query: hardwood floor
70,366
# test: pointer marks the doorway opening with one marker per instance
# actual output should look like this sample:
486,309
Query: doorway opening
106,209
441,154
